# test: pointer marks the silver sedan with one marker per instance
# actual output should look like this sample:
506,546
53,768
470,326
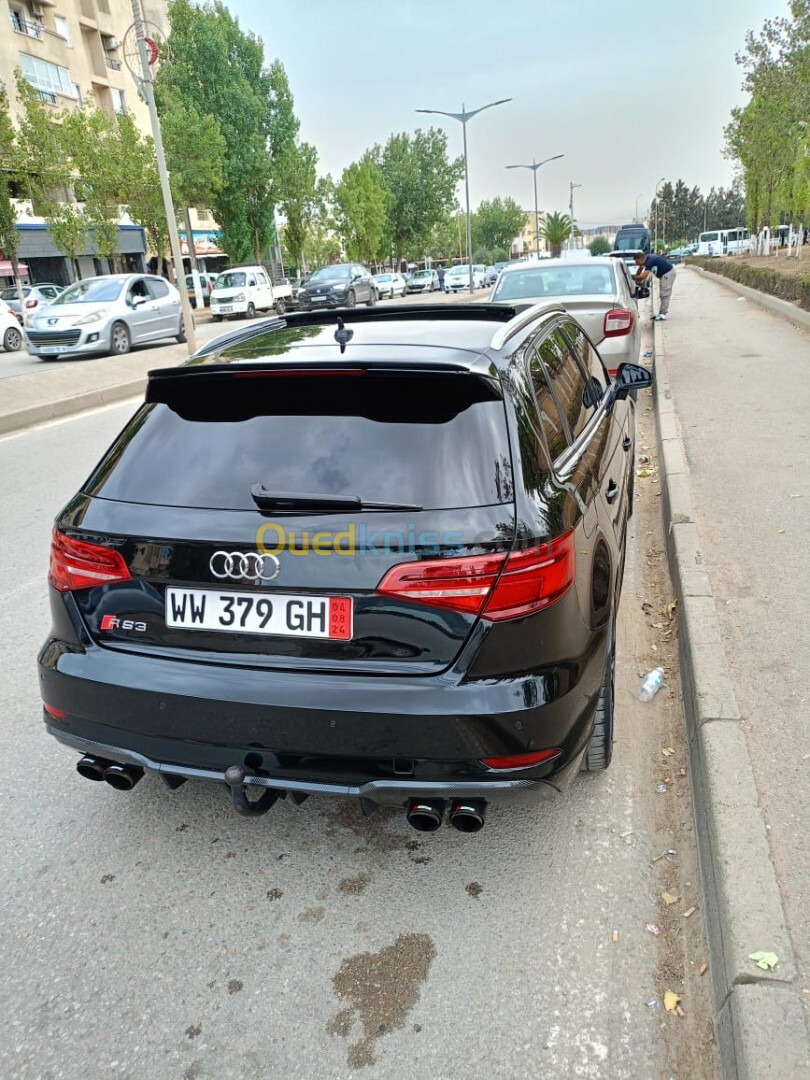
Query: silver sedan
599,293
106,315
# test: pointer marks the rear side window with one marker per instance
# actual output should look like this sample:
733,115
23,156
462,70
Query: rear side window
548,414
158,288
434,440
586,354
566,381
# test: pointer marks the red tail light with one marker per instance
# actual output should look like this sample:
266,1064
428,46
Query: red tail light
31,303
57,714
521,761
618,322
75,564
498,587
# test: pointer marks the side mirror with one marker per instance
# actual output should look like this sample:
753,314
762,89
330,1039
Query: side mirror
138,300
632,377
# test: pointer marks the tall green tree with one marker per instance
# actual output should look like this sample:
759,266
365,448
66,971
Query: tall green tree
91,141
218,69
555,230
362,200
140,186
48,174
495,224
300,198
10,175
421,182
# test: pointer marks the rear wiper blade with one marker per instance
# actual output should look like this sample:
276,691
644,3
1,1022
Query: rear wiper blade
313,501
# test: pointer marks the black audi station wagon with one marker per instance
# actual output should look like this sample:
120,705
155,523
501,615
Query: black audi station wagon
374,554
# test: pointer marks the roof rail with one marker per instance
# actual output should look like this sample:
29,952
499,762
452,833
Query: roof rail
521,320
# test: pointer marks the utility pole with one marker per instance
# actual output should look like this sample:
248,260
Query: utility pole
571,187
168,205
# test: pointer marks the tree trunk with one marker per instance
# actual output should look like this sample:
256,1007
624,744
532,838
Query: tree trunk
192,258
15,269
76,268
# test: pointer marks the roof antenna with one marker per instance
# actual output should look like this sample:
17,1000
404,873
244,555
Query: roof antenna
343,336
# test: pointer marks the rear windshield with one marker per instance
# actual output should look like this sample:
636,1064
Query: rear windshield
555,281
630,239
12,294
437,441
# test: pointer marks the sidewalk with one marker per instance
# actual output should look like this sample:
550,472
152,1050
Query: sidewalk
738,392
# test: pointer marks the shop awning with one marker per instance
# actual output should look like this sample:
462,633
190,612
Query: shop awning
6,271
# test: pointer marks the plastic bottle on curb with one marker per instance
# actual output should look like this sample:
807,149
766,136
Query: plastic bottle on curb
651,684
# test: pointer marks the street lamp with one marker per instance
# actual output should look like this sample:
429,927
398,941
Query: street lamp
636,217
464,116
535,165
657,185
571,187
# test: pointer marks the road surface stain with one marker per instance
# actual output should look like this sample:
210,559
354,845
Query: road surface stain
354,886
474,889
381,989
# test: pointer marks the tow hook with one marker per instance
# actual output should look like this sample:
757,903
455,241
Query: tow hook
235,779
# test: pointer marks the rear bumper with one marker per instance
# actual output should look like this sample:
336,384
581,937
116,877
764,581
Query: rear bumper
386,739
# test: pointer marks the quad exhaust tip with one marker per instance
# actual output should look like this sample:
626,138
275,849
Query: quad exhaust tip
425,815
92,768
468,815
123,777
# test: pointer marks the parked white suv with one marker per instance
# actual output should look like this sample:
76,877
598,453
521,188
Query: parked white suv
244,290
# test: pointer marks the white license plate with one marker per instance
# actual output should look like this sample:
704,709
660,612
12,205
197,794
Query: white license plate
276,614
51,349
226,309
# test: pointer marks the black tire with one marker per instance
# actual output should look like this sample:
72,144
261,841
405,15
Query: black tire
351,299
251,310
12,339
216,318
372,297
600,746
181,334
120,339
280,307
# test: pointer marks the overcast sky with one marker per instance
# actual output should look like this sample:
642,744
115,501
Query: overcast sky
629,92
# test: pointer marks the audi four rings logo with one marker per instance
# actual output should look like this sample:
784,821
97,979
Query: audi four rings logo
239,565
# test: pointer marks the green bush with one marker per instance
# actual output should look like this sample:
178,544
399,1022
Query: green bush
765,278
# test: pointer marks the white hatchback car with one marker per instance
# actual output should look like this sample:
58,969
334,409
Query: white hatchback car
11,336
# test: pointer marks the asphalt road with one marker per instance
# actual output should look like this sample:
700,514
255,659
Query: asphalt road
738,376
157,935
21,363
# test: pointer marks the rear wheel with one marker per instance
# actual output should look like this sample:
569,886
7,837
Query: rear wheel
12,339
120,340
600,747
181,333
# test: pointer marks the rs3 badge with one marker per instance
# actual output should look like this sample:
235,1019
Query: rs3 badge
112,622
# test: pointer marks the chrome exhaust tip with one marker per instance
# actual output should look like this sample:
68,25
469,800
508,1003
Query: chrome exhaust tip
468,816
425,815
123,777
91,768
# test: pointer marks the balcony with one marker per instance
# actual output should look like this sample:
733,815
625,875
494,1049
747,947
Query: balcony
30,29
115,65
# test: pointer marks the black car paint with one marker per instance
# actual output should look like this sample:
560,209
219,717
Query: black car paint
330,717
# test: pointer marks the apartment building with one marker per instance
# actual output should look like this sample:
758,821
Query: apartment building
526,244
68,49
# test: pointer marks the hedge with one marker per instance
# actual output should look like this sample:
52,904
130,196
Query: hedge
764,278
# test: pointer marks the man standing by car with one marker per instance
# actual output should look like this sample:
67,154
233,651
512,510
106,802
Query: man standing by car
665,272
440,273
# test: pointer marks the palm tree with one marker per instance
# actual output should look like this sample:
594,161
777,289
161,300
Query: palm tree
555,231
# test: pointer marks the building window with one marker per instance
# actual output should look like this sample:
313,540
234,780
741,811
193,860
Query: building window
203,215
104,7
118,99
47,78
24,26
63,29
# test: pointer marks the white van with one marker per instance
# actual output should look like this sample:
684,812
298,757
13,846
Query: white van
244,290
724,242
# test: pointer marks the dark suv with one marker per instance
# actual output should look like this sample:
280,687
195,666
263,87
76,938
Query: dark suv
376,555
342,285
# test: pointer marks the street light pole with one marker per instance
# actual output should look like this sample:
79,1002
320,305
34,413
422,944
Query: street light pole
657,208
636,217
535,165
168,205
463,117
571,186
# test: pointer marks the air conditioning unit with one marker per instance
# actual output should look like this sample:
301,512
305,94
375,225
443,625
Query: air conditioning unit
110,43
37,10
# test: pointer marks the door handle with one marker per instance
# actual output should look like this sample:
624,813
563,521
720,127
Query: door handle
612,491
627,442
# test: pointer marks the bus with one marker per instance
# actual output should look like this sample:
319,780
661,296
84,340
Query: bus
724,242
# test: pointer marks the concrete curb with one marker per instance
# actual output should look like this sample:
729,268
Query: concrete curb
57,410
760,1021
783,308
